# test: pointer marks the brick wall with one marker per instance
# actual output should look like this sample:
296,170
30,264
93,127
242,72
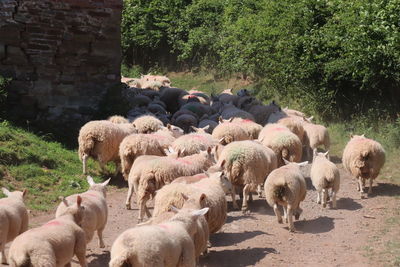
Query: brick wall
62,56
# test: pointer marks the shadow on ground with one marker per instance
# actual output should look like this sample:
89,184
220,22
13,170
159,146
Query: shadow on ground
227,239
315,226
347,203
99,259
385,189
236,257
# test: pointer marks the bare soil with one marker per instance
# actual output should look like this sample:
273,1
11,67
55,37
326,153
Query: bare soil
324,237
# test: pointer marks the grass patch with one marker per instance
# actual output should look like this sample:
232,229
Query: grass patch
45,168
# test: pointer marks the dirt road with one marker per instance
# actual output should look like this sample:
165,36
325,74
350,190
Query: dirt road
324,237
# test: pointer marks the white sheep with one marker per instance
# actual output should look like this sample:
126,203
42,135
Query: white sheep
208,192
135,145
166,244
295,125
247,163
282,141
54,243
363,158
118,119
286,186
228,132
95,209
315,135
324,176
100,140
164,170
13,217
193,143
252,129
147,124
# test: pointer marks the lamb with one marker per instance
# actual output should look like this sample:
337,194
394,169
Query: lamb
118,119
193,143
205,121
54,243
325,175
95,209
166,244
164,170
252,129
286,186
363,158
282,141
147,124
186,122
100,140
247,163
209,192
315,135
228,132
13,217
171,96
135,145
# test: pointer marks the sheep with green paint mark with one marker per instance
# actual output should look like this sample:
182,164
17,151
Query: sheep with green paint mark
282,141
247,163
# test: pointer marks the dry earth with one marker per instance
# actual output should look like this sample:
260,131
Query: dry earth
324,237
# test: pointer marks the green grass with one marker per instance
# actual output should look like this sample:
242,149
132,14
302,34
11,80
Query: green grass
45,168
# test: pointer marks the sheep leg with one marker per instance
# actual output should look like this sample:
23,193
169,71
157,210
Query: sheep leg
360,185
324,197
80,250
334,199
233,195
3,257
84,163
370,186
148,214
318,197
246,191
278,213
285,214
117,168
100,236
290,218
129,196
259,191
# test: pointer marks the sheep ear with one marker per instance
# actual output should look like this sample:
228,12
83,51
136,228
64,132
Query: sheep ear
169,126
351,136
194,128
326,153
310,118
89,179
302,164
64,200
286,161
221,140
315,152
285,108
202,197
206,127
25,192
220,120
231,119
185,197
173,209
222,163
106,182
79,200
222,175
200,212
5,191
363,135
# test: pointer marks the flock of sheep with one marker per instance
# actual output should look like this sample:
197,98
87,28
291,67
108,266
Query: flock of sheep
187,151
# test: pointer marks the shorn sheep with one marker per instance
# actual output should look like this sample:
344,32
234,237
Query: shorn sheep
100,140
135,145
228,132
54,243
13,218
363,158
95,209
286,186
315,135
164,170
324,176
209,191
247,163
167,244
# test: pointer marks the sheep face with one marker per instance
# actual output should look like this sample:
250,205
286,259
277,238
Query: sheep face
175,130
16,194
101,187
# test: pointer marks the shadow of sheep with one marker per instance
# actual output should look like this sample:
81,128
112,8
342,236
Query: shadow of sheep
315,226
227,239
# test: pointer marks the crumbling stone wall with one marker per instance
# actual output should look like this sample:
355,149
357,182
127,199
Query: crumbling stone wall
63,55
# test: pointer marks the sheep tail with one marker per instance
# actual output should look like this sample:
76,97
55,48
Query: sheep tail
236,172
21,259
122,259
280,191
285,153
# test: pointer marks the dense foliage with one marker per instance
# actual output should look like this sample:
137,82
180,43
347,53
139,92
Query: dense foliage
329,56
